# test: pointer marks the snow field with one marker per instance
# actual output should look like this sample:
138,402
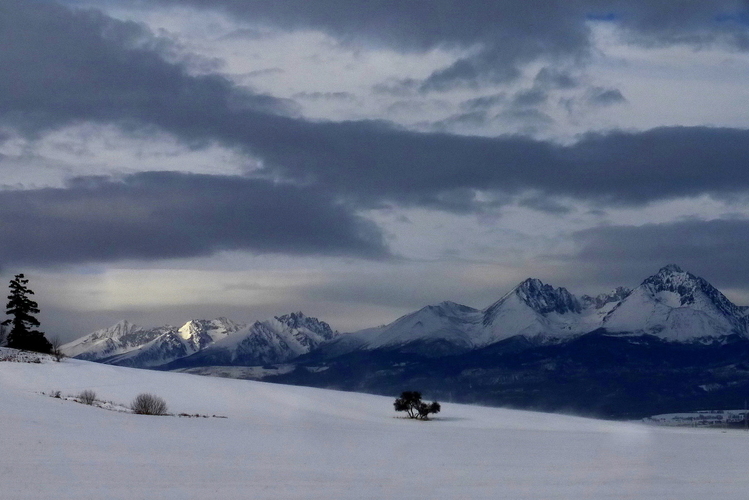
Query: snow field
284,442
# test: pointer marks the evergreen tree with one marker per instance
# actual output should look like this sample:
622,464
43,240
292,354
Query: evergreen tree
21,308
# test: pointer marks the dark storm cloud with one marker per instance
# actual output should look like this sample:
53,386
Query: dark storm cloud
551,78
158,215
599,96
713,249
99,69
694,22
631,168
529,97
506,33
483,103
62,65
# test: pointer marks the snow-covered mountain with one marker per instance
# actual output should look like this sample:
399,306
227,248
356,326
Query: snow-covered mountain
120,338
436,327
220,341
132,345
676,305
532,309
672,305
275,340
175,344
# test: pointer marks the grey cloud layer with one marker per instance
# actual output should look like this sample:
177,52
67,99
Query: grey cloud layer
169,215
509,32
64,66
624,254
104,70
371,159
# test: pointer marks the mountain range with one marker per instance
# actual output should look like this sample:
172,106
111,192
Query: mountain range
219,341
523,343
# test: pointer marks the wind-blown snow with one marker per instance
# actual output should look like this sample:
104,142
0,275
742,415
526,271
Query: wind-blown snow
284,442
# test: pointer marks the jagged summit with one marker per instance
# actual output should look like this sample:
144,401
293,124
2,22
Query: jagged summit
116,339
537,295
122,327
670,268
603,299
299,321
276,340
672,305
545,298
677,305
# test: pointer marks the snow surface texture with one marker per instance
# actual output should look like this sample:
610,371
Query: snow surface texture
285,442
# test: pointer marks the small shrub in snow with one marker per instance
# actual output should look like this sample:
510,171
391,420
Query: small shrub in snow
87,397
411,403
56,351
55,394
148,404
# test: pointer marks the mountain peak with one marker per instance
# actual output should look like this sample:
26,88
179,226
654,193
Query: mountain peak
122,327
545,298
298,320
676,305
450,308
670,269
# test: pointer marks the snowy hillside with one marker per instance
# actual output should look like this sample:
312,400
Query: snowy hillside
284,442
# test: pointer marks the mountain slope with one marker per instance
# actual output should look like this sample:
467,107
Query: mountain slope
276,340
447,326
117,339
676,305
672,304
533,309
131,345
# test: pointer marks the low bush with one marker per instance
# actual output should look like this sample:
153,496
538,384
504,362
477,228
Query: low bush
148,404
87,397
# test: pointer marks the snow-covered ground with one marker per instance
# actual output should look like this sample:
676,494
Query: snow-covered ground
283,442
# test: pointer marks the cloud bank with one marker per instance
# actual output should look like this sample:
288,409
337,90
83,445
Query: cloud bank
158,215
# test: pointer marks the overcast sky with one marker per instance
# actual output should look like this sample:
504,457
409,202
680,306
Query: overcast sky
165,160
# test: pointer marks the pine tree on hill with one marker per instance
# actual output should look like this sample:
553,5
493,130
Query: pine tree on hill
21,309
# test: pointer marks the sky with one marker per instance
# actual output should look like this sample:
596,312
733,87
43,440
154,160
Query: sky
356,160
